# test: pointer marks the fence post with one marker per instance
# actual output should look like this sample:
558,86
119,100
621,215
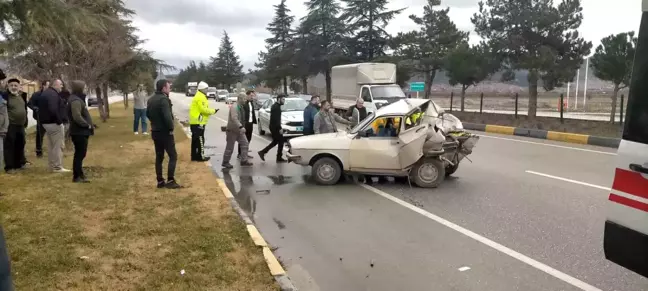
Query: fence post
562,107
481,102
621,111
516,104
451,97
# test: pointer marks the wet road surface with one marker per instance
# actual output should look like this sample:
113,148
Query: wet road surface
504,222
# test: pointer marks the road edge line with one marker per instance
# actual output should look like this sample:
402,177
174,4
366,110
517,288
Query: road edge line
565,137
276,270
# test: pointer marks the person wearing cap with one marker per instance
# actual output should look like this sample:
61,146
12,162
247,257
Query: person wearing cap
199,113
14,142
275,130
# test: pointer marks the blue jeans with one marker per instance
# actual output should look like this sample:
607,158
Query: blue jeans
140,116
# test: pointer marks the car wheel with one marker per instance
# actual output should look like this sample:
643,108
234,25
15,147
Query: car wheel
449,170
428,173
326,171
261,131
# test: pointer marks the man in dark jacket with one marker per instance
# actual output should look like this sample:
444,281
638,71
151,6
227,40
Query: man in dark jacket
159,113
249,116
14,142
34,104
309,115
275,130
80,128
52,114
5,266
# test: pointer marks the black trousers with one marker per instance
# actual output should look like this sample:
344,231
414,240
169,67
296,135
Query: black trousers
277,140
5,266
248,134
40,133
14,147
164,142
80,150
197,142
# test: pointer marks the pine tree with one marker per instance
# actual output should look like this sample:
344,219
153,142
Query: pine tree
328,31
367,20
278,57
226,68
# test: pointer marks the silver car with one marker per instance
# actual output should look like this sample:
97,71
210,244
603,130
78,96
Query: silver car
292,116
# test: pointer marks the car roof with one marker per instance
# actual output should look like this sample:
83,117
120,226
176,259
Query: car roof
401,107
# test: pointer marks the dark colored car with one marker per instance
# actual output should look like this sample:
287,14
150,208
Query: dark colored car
93,101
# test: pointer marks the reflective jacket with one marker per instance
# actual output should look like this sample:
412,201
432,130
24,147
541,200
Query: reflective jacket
199,110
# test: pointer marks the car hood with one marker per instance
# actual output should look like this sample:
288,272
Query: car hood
292,116
331,141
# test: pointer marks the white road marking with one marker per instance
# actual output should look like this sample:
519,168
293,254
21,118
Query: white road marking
569,180
548,144
501,248
463,269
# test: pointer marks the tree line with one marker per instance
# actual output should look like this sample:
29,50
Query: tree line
530,35
223,71
93,41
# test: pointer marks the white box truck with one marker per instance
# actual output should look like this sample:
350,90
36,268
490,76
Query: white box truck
375,83
191,88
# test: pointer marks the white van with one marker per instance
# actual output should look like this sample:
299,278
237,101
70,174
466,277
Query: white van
626,226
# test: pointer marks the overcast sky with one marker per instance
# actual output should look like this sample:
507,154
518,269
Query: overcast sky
182,30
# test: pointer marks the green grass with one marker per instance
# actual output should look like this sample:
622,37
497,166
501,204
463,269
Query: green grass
119,232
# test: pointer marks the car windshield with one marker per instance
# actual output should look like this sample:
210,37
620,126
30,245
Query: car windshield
263,96
387,93
294,105
233,94
363,123
222,92
211,89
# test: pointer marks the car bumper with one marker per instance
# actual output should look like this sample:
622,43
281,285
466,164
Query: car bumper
294,159
626,247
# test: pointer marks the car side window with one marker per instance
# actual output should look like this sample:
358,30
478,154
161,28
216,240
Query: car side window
636,125
384,127
366,95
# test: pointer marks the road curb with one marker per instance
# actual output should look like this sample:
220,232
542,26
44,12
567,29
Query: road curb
545,134
276,270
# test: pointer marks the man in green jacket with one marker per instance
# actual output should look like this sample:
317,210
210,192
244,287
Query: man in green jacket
14,142
160,114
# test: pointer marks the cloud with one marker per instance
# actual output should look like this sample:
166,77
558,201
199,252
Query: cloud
182,30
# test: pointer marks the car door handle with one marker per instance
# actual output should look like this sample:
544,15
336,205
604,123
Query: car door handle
639,168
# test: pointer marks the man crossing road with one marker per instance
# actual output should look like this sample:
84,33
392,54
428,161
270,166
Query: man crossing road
199,113
235,132
275,130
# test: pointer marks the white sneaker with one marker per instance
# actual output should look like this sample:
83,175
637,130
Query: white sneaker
62,170
145,133
136,133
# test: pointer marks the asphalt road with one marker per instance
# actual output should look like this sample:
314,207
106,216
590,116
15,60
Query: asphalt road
526,214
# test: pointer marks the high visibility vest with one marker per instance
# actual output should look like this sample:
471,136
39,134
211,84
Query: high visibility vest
199,110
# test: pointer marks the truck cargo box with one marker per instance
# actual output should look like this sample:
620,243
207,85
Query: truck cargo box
346,80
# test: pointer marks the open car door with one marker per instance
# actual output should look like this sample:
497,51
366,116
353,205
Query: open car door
411,139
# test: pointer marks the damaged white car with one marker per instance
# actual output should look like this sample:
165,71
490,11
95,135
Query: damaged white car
410,138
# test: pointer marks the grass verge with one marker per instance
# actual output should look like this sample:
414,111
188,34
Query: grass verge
121,233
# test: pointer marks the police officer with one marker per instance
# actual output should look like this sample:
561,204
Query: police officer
199,113
275,130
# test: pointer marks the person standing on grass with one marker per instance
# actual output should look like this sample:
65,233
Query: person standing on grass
275,130
235,132
5,265
199,113
80,129
309,114
158,111
65,95
139,108
14,142
4,127
34,104
249,120
52,115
